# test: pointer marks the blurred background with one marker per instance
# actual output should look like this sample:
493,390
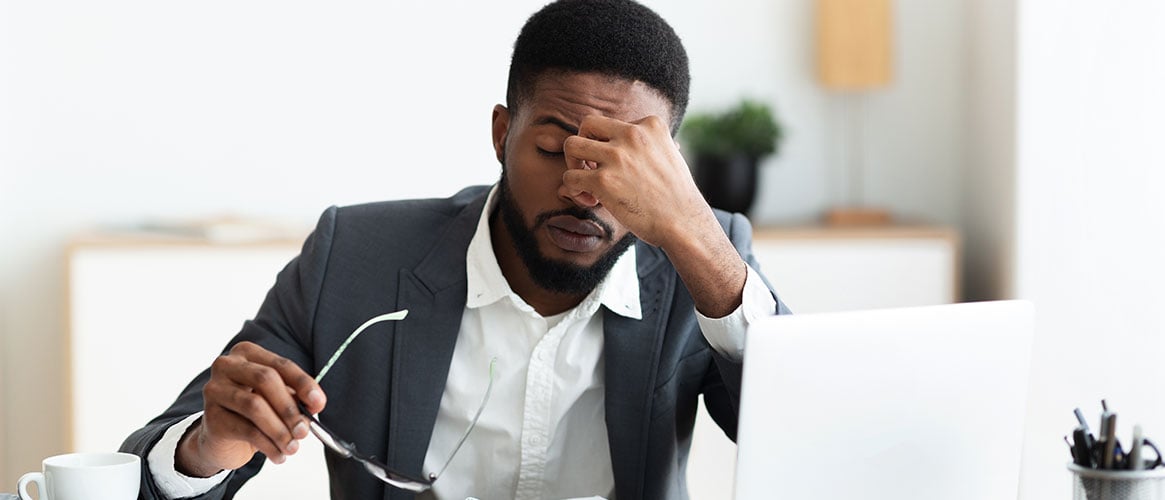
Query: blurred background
1026,133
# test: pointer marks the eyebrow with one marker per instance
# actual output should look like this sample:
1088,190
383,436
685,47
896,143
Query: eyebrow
550,120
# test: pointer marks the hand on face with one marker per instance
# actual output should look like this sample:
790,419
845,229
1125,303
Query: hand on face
636,171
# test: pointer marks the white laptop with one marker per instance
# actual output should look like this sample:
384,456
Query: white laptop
914,403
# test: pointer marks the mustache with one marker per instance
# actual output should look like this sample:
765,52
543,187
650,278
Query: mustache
578,213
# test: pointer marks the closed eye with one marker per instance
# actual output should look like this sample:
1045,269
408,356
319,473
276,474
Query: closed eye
549,154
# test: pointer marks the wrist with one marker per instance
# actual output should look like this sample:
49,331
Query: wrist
711,269
188,459
687,232
697,239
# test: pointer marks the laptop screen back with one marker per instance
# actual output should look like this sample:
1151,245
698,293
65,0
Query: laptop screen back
914,403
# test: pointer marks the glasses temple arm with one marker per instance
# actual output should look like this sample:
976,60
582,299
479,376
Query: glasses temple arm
488,388
394,316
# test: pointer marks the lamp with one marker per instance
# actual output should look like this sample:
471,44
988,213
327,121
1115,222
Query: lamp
854,57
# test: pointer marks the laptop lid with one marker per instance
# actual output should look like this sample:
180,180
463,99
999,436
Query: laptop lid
912,403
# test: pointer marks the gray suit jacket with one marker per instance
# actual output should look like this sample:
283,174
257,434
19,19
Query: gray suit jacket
366,260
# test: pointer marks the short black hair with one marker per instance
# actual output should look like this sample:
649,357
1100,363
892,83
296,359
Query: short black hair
612,37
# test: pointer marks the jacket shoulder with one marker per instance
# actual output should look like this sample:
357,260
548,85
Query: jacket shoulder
404,211
406,230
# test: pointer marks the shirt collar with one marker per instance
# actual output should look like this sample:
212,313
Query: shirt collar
619,291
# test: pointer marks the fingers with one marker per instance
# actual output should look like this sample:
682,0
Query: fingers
251,398
602,128
601,140
594,142
290,375
266,401
227,424
271,375
585,153
579,149
582,160
612,162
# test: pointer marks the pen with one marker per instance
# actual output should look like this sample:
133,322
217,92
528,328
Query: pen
1108,425
1081,453
1088,440
1135,460
1098,447
1084,423
1080,418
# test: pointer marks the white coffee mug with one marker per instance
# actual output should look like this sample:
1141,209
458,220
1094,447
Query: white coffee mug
85,476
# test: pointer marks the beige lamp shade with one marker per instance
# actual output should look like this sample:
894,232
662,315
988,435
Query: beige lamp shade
854,43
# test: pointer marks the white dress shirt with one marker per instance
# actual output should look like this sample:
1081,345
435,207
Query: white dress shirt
543,432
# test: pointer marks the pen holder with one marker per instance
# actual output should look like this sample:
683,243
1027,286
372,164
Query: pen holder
1097,484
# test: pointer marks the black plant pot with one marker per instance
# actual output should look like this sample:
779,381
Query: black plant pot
728,183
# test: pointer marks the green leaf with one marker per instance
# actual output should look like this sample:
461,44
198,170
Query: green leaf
749,128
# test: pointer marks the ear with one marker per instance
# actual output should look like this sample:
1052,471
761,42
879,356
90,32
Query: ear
501,128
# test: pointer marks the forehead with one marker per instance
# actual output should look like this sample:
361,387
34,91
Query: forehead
571,96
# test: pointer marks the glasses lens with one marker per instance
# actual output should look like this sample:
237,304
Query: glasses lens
392,478
329,440
381,471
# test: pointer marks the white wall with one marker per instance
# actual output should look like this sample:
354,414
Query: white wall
912,140
127,109
1090,239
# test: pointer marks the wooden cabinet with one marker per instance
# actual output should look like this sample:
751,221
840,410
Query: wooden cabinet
823,269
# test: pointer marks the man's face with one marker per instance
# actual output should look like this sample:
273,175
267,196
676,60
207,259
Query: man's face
566,248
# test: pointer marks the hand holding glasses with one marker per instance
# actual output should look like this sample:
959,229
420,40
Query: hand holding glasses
249,406
257,401
375,467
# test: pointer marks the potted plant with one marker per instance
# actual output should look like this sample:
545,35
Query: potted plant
727,148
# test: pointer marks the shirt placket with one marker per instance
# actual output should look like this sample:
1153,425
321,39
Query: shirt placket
535,444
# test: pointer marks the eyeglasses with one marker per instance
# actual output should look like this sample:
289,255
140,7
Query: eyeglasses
371,464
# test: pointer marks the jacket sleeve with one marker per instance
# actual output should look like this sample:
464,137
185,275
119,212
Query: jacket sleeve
283,325
721,385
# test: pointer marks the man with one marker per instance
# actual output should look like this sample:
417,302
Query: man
588,298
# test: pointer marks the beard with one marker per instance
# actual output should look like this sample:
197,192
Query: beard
550,274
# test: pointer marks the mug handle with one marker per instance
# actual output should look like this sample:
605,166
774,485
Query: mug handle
31,477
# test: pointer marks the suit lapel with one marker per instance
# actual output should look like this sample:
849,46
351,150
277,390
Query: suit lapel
434,293
631,350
